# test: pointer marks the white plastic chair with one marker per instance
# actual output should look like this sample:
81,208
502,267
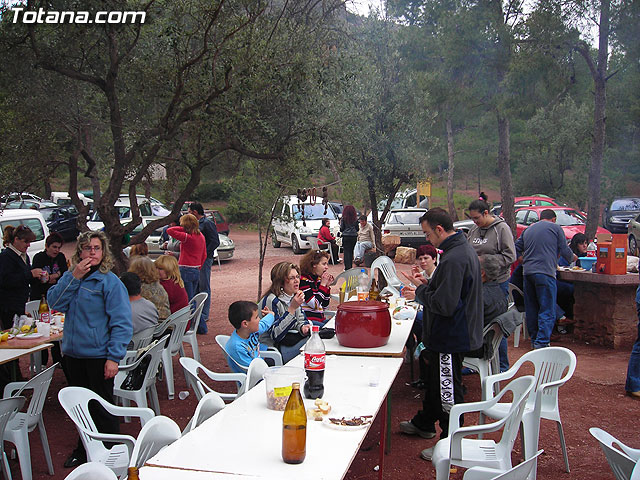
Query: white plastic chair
142,338
351,278
8,406
190,337
622,460
271,353
256,370
519,472
467,452
388,269
156,434
210,404
148,386
177,322
553,366
522,328
192,367
22,423
313,241
33,309
92,471
486,367
75,401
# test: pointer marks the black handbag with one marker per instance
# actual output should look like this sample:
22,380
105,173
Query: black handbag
135,377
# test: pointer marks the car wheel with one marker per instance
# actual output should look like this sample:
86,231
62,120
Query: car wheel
633,245
295,245
274,241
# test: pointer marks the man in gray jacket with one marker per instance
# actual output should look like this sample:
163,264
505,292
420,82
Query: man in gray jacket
453,322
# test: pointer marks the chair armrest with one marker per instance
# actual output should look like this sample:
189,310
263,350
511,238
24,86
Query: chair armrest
13,389
226,377
491,380
462,432
143,413
127,367
273,355
128,440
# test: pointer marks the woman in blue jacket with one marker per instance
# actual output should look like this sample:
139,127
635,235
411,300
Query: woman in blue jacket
97,327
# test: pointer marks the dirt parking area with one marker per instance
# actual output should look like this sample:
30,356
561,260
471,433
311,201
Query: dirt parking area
593,397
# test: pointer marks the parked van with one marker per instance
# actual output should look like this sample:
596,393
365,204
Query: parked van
63,198
124,212
30,218
289,228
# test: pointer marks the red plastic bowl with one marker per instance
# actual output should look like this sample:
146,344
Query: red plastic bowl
363,324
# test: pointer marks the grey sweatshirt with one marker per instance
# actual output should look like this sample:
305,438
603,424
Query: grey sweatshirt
495,240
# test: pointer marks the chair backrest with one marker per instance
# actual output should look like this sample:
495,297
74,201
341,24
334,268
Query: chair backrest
313,241
256,370
521,388
519,472
9,406
40,386
222,341
92,471
351,278
388,269
142,338
156,434
191,368
32,308
155,357
620,462
494,334
177,321
196,304
208,406
516,297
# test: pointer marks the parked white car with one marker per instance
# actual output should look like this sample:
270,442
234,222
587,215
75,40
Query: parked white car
405,223
289,227
124,212
30,218
63,198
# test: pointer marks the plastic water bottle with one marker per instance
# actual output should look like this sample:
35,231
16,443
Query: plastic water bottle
363,285
591,249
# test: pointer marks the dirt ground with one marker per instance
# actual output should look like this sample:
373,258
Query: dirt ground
596,389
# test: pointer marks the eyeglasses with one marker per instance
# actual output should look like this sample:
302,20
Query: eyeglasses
89,248
294,277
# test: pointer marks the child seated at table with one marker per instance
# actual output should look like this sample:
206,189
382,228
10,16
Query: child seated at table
244,345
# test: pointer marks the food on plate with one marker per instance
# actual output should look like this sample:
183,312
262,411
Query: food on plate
25,328
323,405
577,268
322,408
352,421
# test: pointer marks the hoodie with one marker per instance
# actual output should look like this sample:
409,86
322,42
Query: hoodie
495,240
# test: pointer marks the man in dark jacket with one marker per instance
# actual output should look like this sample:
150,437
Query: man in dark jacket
453,321
210,232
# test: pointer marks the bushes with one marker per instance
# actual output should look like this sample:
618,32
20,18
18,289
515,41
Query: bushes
207,192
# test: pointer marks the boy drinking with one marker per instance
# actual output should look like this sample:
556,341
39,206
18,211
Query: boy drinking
244,345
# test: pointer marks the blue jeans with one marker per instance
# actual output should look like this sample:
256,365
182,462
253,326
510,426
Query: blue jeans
204,285
633,372
360,248
190,278
540,307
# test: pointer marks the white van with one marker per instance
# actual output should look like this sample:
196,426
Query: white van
289,228
124,212
30,218
63,198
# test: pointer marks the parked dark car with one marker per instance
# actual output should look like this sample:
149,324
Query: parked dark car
63,220
221,223
616,216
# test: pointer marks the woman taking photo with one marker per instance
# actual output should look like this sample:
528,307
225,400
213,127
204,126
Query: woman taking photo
349,229
284,298
97,327
16,273
314,283
151,288
193,251
171,281
491,236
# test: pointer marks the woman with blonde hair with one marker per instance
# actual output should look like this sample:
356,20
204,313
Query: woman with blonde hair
284,298
97,327
314,283
193,251
151,288
171,281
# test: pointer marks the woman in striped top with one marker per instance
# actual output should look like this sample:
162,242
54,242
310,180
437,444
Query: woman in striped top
314,283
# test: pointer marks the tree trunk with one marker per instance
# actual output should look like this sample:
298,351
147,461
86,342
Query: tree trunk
599,118
450,170
504,166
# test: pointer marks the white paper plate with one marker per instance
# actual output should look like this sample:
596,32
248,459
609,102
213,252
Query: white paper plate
27,336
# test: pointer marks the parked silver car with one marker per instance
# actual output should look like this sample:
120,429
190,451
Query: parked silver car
405,223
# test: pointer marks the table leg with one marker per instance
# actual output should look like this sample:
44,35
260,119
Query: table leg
387,445
383,435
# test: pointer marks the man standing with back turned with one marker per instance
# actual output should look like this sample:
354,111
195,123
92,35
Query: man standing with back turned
453,321
540,245
210,232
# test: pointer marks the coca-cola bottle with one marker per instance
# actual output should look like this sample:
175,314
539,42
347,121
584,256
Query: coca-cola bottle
314,357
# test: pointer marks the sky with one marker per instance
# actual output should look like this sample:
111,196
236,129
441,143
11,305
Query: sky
362,6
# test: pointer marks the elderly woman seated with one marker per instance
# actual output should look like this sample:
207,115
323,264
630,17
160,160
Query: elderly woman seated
151,288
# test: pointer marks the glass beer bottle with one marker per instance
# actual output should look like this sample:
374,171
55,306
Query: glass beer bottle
43,310
294,428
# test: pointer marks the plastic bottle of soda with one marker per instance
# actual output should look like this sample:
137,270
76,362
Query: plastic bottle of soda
363,286
294,428
314,357
591,249
43,310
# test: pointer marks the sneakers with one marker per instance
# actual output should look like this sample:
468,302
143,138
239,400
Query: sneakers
410,429
427,454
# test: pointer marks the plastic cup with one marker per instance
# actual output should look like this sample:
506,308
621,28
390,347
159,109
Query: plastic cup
44,328
373,374
183,394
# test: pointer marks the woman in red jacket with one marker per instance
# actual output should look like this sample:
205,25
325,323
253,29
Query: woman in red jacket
193,251
324,236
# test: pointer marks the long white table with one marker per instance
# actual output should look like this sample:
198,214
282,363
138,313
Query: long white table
245,438
9,354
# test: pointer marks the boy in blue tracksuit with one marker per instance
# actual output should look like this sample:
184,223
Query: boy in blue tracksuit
244,344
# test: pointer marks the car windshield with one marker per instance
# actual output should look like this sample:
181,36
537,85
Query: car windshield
123,212
404,218
48,214
312,212
565,218
626,204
